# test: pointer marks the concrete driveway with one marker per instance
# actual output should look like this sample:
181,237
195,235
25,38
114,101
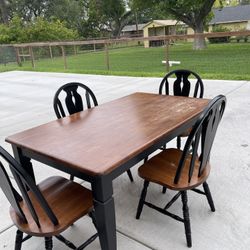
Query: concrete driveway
26,101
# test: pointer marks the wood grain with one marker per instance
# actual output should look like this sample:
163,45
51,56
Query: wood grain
68,200
98,140
162,168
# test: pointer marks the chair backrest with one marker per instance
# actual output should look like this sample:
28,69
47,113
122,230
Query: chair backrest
73,101
25,184
182,84
201,137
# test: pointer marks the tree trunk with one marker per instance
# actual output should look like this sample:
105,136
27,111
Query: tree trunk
199,41
136,24
4,11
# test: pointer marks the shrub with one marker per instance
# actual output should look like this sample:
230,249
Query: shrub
224,39
13,32
243,38
42,30
4,37
38,30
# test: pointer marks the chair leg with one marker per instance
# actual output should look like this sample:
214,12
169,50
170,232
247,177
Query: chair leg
164,189
178,142
186,218
142,199
19,240
48,243
209,196
130,175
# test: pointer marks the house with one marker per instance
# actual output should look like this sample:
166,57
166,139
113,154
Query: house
154,28
162,28
130,30
235,18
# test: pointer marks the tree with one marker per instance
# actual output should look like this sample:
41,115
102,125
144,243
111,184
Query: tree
144,15
91,18
193,13
115,15
67,11
28,9
39,29
4,10
93,23
43,30
73,13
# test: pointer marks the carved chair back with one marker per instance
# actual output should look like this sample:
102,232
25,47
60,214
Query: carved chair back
202,137
182,85
73,100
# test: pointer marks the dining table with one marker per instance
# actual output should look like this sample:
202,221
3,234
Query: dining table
101,143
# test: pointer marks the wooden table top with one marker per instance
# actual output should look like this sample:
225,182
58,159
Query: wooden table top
98,140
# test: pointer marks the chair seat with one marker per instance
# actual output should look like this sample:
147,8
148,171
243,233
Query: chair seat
162,168
68,200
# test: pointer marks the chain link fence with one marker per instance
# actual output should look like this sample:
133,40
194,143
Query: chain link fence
141,56
7,55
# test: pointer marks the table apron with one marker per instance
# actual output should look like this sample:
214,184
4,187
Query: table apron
53,163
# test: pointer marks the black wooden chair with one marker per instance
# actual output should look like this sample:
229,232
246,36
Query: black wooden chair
44,210
75,103
182,87
181,170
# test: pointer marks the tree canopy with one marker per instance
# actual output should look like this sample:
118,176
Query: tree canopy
102,18
38,30
90,18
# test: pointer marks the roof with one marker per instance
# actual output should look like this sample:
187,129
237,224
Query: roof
168,22
231,14
129,28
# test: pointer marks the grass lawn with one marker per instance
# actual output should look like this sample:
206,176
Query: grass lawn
219,61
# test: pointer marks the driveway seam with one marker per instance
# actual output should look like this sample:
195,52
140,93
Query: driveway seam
7,228
134,239
233,90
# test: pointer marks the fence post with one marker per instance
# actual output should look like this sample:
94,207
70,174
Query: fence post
167,54
64,57
32,57
18,60
2,55
50,52
75,51
24,59
107,56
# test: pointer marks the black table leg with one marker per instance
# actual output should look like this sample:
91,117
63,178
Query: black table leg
105,212
23,160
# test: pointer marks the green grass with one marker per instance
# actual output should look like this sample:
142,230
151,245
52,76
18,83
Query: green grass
218,61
